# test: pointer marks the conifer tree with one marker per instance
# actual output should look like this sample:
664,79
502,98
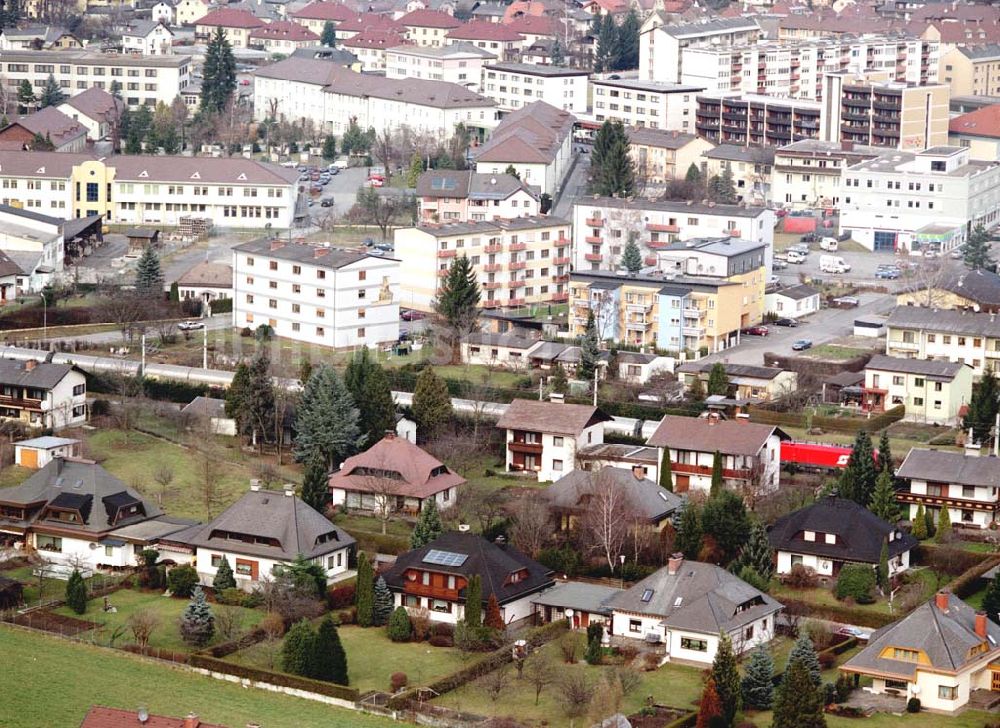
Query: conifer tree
148,274
218,81
991,599
557,55
428,526
237,396
804,653
315,484
726,676
977,253
493,618
983,407
920,523
329,147
717,482
559,381
589,349
415,169
457,302
689,532
710,710
474,601
929,520
329,35
224,578
858,479
882,570
364,593
718,380
884,460
799,703
25,96
757,686
943,534
666,473
197,621
431,403
631,256
298,651
381,603
326,423
400,628
329,660
52,93
368,384
883,502
76,592
757,553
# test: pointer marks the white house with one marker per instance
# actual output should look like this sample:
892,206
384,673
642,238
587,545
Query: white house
543,437
206,282
148,38
964,483
637,367
460,63
509,351
33,241
42,394
645,104
916,332
96,109
515,85
315,293
661,41
687,605
932,391
162,12
38,452
792,302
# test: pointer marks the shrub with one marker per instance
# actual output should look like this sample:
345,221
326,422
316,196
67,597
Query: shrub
397,681
826,660
273,625
628,653
76,593
913,705
443,629
420,621
400,628
233,597
252,600
569,645
844,686
442,640
856,581
801,577
181,580
650,661
348,616
339,597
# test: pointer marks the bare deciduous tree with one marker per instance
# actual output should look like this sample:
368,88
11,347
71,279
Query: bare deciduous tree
163,474
495,683
923,281
575,691
142,625
210,470
532,524
607,518
384,487
539,672
229,621
122,307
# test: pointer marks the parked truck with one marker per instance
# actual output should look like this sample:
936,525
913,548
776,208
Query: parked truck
833,264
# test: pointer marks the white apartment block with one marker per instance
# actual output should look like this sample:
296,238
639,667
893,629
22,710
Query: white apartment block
807,174
316,294
461,63
915,202
661,42
39,181
143,79
795,69
518,262
649,104
601,227
513,85
915,332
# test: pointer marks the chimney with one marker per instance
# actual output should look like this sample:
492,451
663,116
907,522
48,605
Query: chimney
390,435
320,252
941,600
500,541
254,485
639,472
275,244
981,624
289,490
30,364
742,418
674,562
191,721
713,418
847,146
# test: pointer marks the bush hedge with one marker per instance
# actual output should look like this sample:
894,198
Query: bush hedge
249,639
969,581
206,662
838,613
685,721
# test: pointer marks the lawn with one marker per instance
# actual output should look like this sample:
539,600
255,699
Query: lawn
50,588
129,601
923,579
372,658
60,680
831,351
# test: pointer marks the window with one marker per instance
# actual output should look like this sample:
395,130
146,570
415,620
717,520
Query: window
439,605
48,543
361,333
79,389
425,578
947,692
557,465
968,491
688,643
635,625
216,561
900,653
296,269
411,601
557,441
244,568
272,265
748,633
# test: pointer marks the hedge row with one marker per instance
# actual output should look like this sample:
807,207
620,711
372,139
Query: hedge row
839,424
951,560
838,613
381,543
331,690
968,582
160,389
248,640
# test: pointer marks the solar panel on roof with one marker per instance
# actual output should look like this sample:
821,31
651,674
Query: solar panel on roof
444,558
443,183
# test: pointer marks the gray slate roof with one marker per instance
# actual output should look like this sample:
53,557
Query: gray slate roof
302,253
931,369
46,442
732,370
950,467
508,341
205,407
45,375
701,434
578,596
954,322
589,203
698,597
798,293
981,286
574,490
553,417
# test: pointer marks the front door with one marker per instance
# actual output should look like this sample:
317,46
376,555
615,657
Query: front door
995,681
682,483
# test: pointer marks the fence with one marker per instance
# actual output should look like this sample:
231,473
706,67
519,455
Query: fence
266,677
851,425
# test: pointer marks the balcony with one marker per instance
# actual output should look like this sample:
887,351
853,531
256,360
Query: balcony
694,331
560,297
594,222
739,474
905,496
658,244
695,313
491,303
442,272
565,279
515,302
516,284
428,590
650,260
492,285
561,261
734,233
563,242
492,267
515,247
638,307
638,325
519,265
493,248
903,345
593,257
593,239
656,228
21,403
993,353
447,253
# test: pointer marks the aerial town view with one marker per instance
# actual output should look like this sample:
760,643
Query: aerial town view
500,363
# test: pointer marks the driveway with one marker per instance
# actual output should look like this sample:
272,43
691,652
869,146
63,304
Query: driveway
343,188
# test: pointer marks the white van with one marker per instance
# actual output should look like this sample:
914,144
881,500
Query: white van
830,245
833,264
794,256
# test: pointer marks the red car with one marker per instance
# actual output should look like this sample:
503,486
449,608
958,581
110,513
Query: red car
755,331
411,315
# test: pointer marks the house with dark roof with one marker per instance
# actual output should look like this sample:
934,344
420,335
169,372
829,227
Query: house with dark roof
148,38
686,605
462,195
745,380
510,350
635,458
932,391
42,128
749,450
263,530
435,577
543,437
942,652
661,155
836,531
394,475
969,290
579,602
964,483
42,394
206,282
96,109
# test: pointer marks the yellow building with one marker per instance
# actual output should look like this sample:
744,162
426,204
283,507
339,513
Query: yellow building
971,70
661,155
91,183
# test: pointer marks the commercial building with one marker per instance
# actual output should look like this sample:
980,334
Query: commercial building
934,392
956,336
756,120
461,196
461,63
517,261
515,85
316,294
641,103
921,201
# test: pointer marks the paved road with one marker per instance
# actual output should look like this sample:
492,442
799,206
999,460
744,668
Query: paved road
575,188
221,321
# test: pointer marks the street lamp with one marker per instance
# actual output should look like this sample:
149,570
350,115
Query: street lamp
622,559
45,318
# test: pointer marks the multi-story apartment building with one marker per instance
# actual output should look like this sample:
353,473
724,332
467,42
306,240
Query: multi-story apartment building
651,104
660,155
602,227
808,174
513,85
931,391
318,13
795,69
964,483
662,41
922,201
972,70
428,27
236,23
461,63
751,168
894,115
673,313
332,96
282,37
518,261
755,120
445,195
497,38
957,336
143,79
316,294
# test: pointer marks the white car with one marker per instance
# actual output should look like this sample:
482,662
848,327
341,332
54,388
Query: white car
793,256
190,325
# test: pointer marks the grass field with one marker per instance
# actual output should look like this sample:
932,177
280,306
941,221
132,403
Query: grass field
925,581
57,681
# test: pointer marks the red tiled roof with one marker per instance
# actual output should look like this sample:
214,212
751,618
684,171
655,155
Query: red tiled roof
100,717
284,30
535,25
376,39
523,7
984,122
369,22
323,10
231,18
425,18
484,30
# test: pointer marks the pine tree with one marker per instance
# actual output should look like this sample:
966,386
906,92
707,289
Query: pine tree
512,171
329,35
757,553
493,618
400,628
148,274
52,93
882,571
431,403
710,710
884,459
799,703
666,474
329,147
943,534
364,592
25,96
722,188
919,523
628,41
718,380
717,482
595,651
381,603
329,659
689,532
557,55
474,601
697,389
298,651
76,592
757,687
616,176
326,424
237,395
929,520
726,676
197,621
991,599
218,81
983,407
315,484
367,382
724,518
804,654
976,254
457,303
559,382
428,525
693,174
415,169
858,478
224,578
883,502
631,257
589,349
259,401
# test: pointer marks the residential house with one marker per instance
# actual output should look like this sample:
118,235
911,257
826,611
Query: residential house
752,167
96,109
148,38
635,458
662,155
38,452
435,578
579,492
371,48
265,530
935,392
662,39
510,351
446,195
460,63
497,38
394,475
978,131
749,451
792,302
316,294
645,104
687,605
206,282
315,15
964,483
427,27
212,412
544,437
958,336
745,380
941,653
37,38
101,717
515,85
237,25
163,12
45,126
32,242
282,37
970,290
42,394
579,602
971,70
189,12
13,281
836,531
636,367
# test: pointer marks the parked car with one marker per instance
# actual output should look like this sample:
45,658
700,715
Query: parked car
376,182
957,254
845,302
809,238
802,345
409,314
830,245
368,242
931,254
791,323
794,256
191,325
779,264
861,634
327,202
754,331
801,248
384,247
887,272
